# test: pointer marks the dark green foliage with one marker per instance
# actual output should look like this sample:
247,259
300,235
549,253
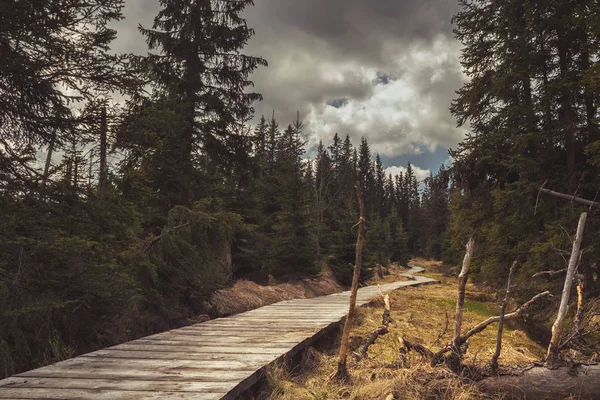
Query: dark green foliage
531,104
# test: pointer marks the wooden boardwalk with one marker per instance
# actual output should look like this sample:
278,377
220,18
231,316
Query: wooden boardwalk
217,359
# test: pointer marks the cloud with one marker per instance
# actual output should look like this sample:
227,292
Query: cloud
420,173
384,69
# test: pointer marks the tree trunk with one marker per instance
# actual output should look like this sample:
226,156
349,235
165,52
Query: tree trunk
582,381
342,371
557,328
566,114
103,149
494,362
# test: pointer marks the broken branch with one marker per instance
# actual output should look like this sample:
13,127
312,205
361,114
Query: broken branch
382,330
569,197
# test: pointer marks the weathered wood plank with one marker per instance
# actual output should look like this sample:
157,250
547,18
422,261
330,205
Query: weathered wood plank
122,384
177,355
80,394
201,349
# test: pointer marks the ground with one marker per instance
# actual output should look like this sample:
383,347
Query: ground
419,315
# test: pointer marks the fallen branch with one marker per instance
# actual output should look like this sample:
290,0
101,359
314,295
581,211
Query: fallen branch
520,312
494,363
382,330
569,197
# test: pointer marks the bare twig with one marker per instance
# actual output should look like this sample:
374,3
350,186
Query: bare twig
442,333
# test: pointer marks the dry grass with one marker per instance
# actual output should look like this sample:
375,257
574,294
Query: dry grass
419,314
248,295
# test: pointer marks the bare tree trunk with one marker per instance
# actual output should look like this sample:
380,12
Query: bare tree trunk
494,362
103,149
455,356
557,328
342,371
462,283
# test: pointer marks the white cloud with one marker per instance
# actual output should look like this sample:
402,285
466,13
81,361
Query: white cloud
420,173
408,115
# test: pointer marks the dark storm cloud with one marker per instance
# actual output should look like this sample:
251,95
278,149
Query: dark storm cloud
359,29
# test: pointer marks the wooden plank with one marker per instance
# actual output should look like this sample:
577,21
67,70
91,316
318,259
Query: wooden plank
175,355
256,341
182,375
201,349
119,384
160,365
81,394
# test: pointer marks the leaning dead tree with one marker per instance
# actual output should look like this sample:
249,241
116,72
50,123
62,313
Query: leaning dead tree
558,327
342,370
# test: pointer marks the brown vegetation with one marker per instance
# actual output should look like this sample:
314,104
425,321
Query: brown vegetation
418,314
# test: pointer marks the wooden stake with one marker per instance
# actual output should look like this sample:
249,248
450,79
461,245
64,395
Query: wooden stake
342,371
557,328
494,362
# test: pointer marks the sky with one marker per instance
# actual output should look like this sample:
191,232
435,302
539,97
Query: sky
383,69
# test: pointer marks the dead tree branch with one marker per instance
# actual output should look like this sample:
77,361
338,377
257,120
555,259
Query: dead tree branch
569,197
549,274
557,328
382,330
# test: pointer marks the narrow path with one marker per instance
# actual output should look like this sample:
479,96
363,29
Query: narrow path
217,359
